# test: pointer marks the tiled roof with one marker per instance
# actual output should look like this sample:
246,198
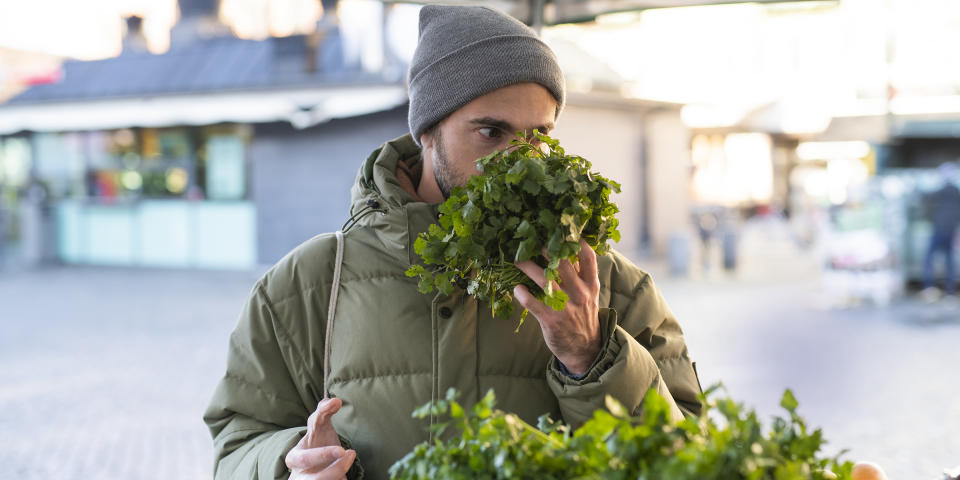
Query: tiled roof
212,65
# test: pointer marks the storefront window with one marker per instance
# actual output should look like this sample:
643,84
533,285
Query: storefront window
15,165
194,163
167,162
14,161
226,168
126,164
60,163
130,196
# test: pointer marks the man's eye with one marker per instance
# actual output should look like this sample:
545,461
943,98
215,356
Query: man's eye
490,132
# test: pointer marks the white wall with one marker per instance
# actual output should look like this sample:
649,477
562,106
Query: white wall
610,139
668,171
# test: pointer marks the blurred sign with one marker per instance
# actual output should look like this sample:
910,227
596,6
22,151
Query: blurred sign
19,70
53,75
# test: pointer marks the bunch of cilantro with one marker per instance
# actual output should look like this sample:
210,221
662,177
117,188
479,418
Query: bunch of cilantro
527,199
615,445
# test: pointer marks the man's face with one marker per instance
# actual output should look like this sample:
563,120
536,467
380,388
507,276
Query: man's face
486,124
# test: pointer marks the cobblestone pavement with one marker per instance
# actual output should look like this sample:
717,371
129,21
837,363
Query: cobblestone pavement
104,373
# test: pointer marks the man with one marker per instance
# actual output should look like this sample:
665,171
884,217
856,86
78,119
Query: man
943,207
477,77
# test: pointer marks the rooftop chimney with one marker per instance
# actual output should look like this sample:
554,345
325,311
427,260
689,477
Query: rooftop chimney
199,20
133,39
198,8
326,27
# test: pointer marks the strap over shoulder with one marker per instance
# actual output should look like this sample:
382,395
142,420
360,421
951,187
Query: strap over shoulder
331,313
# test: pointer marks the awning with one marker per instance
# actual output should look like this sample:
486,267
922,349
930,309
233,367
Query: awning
552,12
302,108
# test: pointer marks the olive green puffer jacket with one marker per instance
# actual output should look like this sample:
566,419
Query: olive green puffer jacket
394,349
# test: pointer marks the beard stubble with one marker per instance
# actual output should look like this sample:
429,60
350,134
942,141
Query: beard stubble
444,172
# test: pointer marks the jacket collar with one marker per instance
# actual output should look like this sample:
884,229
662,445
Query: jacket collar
378,200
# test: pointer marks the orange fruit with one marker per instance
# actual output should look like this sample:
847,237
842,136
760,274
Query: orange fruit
867,471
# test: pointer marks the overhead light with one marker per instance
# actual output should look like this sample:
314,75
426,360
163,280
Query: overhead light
808,151
804,115
709,116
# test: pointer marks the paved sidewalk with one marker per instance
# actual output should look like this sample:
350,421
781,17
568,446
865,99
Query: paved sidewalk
882,382
104,373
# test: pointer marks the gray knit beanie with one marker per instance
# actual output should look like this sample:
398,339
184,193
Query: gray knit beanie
466,52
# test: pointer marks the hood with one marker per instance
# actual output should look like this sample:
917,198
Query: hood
379,202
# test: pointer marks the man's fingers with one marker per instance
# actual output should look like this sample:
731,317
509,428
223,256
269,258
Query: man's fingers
569,278
566,270
320,431
534,271
338,470
588,265
528,301
325,409
313,459
335,471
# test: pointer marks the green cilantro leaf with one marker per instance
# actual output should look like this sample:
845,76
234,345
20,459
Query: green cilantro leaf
528,199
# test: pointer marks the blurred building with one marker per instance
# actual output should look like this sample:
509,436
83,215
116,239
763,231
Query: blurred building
833,113
220,153
226,152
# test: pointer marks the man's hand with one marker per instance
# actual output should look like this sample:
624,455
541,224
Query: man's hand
573,334
319,455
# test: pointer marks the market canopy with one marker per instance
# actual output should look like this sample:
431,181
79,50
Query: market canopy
552,12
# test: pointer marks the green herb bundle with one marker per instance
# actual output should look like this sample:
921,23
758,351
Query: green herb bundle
616,446
525,200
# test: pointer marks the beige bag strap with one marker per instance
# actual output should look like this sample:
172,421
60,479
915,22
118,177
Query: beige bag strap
331,314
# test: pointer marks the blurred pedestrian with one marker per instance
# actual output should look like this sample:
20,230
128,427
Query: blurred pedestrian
3,226
943,209
33,209
707,223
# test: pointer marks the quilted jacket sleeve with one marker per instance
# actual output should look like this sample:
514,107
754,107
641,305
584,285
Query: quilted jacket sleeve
644,348
256,414
258,411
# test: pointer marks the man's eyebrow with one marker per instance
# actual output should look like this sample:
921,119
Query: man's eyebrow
505,125
494,122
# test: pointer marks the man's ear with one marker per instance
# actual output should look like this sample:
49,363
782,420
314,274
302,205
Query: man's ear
426,140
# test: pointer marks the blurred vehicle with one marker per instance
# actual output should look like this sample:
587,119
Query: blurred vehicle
860,262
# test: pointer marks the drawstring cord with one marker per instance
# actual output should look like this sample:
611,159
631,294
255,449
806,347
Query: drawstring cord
371,206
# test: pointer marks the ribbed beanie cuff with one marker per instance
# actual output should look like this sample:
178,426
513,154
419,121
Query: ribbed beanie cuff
467,52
